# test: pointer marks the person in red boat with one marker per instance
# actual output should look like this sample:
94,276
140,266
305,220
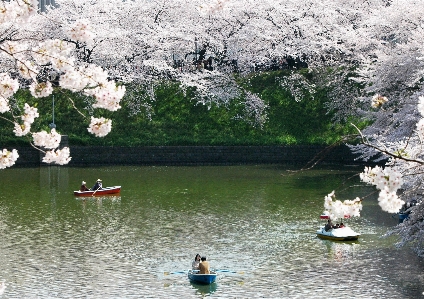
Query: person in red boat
84,187
97,185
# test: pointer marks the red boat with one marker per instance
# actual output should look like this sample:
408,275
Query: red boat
99,192
325,216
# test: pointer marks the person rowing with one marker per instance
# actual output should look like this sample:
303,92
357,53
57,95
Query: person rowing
97,185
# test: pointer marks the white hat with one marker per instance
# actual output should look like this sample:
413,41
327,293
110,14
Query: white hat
83,183
99,180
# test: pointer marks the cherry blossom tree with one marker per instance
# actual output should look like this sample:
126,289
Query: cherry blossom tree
368,53
26,63
393,91
200,44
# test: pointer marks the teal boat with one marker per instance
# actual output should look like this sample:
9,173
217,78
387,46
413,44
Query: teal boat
195,276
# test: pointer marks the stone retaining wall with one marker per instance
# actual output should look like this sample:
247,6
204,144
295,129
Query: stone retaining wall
192,155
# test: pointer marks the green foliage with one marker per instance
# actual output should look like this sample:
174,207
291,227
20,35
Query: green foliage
177,119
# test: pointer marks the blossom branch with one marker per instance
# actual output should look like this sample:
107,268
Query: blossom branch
386,152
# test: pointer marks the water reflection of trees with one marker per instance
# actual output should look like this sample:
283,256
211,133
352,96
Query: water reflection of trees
341,251
204,290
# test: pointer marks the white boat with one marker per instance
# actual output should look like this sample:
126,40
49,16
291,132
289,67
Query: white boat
338,234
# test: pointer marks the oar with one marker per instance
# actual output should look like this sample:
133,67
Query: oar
176,272
95,191
212,270
227,271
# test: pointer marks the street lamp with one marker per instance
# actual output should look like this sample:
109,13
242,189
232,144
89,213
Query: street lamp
53,75
52,125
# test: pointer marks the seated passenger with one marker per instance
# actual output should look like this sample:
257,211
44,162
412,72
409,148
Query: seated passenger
204,266
328,226
196,262
83,187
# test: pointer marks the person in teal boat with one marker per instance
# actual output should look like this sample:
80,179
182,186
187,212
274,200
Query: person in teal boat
97,185
204,266
196,262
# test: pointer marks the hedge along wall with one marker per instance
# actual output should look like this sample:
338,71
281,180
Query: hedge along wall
192,155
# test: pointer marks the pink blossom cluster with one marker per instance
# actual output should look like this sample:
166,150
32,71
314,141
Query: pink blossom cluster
100,127
93,81
216,6
18,10
27,69
15,49
378,100
388,180
30,114
47,140
57,54
81,31
338,209
8,158
8,87
60,156
420,124
41,89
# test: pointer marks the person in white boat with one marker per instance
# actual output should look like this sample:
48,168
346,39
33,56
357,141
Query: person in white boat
97,185
328,226
196,262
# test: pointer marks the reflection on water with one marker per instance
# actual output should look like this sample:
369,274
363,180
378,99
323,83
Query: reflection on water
202,289
252,222
341,251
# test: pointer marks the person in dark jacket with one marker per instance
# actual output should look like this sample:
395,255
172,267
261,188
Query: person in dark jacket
328,226
97,185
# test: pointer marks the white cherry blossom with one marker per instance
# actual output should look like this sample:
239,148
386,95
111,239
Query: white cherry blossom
338,209
81,31
47,140
15,49
30,114
8,86
27,69
421,105
378,100
389,201
4,105
41,89
8,158
22,129
59,156
100,126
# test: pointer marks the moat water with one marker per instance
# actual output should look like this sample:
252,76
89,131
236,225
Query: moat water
254,223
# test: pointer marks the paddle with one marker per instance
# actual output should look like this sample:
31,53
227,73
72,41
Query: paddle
227,271
212,270
95,191
176,272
